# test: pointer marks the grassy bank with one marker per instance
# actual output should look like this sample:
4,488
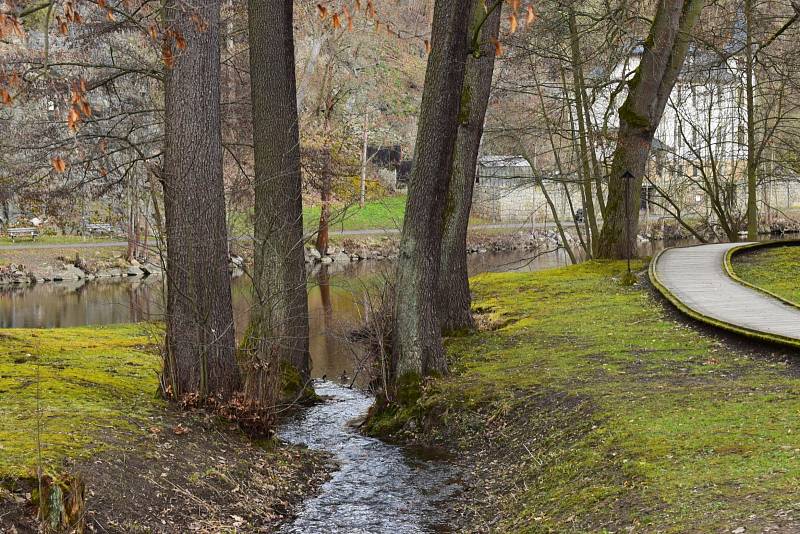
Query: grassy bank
774,269
583,406
82,401
384,213
82,381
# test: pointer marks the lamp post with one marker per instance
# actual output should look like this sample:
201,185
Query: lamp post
628,176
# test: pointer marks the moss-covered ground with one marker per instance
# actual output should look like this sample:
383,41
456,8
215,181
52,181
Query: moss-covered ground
774,269
587,406
85,398
80,381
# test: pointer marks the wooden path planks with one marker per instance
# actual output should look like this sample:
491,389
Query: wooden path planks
696,278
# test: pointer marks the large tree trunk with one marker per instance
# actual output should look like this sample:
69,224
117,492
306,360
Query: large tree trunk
278,333
648,92
417,347
455,301
200,336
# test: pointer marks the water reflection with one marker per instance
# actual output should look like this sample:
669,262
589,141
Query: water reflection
336,301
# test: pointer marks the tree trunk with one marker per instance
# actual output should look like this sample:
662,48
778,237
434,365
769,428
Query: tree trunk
278,332
583,145
326,186
200,336
648,92
455,302
418,347
752,158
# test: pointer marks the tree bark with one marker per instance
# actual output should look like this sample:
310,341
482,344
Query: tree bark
326,189
648,92
200,330
455,301
278,332
583,145
418,350
752,158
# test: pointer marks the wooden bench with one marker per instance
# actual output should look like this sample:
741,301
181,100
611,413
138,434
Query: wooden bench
99,229
14,233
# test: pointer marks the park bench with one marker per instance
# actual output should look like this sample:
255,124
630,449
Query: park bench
99,229
14,233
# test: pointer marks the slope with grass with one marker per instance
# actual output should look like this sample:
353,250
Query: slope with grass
83,401
80,381
384,213
776,269
584,406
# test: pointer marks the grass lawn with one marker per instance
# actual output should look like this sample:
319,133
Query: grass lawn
84,382
774,269
586,408
385,213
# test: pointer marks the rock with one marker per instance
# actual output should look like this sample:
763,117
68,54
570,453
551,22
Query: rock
331,251
238,261
135,263
109,273
68,272
134,270
355,257
341,257
314,253
739,530
327,260
151,268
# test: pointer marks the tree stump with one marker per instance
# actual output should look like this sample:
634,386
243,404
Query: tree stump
61,505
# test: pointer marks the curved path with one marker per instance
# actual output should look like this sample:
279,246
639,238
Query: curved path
696,280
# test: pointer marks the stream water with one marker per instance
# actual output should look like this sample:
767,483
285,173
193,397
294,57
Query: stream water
378,487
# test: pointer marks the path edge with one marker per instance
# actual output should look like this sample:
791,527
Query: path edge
724,325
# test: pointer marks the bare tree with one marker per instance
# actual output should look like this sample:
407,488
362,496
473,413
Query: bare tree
278,331
648,91
454,295
200,331
418,348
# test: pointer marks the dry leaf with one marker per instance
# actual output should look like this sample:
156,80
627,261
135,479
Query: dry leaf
531,18
498,48
58,164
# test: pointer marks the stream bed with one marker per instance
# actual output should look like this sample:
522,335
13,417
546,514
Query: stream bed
377,487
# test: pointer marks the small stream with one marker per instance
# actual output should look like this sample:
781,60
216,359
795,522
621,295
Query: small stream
378,487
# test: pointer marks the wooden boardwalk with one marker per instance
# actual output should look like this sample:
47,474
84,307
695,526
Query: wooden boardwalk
695,279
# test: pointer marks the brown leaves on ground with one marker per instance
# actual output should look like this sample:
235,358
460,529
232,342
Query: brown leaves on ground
212,479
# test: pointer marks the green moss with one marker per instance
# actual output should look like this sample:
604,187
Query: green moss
84,382
774,269
409,389
614,415
293,386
